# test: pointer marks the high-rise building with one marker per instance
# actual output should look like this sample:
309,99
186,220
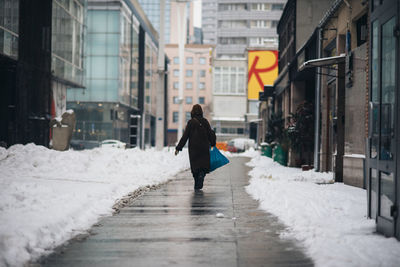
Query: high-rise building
41,54
197,84
152,10
236,27
120,98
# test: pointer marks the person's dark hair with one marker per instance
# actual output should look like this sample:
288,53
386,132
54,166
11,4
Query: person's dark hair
197,111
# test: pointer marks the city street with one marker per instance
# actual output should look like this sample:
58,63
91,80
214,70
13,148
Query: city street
173,225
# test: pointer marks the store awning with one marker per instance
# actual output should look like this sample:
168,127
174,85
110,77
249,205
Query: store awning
322,62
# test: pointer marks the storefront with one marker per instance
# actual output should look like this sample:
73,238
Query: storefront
384,120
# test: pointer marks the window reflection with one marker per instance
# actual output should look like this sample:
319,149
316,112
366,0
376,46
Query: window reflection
374,192
388,89
387,193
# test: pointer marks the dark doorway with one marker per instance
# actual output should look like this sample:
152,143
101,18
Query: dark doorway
253,131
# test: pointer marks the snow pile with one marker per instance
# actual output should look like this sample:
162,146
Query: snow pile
329,219
251,152
47,196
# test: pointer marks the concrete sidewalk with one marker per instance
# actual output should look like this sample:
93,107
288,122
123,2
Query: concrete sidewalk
173,225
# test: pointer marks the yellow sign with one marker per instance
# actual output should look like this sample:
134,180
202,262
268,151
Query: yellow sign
263,70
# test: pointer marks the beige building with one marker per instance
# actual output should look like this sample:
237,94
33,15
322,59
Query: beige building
229,98
196,86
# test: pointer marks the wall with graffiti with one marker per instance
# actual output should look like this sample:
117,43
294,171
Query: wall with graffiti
263,70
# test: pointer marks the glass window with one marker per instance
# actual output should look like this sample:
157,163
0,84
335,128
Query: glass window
277,6
202,73
201,100
374,191
260,24
98,67
188,116
96,43
232,7
232,40
189,73
176,73
189,85
260,7
105,21
112,67
388,90
202,61
189,100
233,24
374,92
176,60
189,60
176,85
202,85
175,116
387,195
240,131
176,100
229,80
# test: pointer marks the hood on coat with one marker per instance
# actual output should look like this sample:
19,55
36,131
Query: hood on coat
197,111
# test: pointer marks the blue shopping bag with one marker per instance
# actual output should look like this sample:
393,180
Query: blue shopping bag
217,159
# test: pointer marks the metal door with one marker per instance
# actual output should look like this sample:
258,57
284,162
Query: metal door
382,141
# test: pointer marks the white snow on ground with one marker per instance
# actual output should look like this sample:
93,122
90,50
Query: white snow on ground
47,196
250,153
329,219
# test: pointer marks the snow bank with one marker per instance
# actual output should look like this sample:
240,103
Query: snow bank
250,153
47,196
329,219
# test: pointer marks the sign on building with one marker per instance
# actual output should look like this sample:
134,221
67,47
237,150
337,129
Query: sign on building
262,69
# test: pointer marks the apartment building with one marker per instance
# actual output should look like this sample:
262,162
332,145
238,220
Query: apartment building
197,84
236,27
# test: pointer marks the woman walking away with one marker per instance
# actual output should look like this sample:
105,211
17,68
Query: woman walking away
201,137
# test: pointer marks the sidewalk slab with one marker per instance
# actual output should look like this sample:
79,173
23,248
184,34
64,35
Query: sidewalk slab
173,225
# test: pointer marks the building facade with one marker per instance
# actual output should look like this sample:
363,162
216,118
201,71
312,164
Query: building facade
236,27
119,101
229,98
37,71
197,84
152,10
342,109
295,87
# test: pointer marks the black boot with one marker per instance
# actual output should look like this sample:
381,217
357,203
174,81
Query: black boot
196,181
201,179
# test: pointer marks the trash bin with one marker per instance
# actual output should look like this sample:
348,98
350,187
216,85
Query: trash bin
61,129
266,150
61,137
280,155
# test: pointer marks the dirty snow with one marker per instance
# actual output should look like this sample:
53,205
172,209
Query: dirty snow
47,196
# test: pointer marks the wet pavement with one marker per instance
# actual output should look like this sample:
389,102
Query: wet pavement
173,225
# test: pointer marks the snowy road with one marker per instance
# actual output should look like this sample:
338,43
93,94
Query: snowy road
173,225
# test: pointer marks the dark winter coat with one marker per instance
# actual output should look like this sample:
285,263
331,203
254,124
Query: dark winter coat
201,137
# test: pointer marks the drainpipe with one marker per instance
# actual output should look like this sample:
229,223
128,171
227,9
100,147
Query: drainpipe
317,104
